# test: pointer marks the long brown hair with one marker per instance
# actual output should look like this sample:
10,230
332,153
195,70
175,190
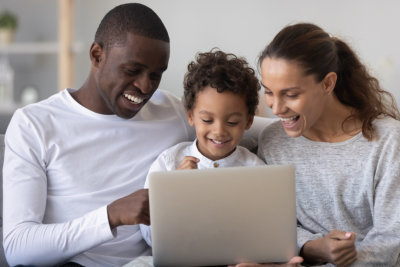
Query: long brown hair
318,54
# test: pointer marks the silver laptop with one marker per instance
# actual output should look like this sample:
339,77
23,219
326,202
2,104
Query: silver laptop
223,216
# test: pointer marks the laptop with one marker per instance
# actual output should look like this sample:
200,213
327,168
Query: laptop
223,216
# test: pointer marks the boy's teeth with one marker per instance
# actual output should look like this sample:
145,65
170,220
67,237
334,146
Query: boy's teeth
134,99
288,119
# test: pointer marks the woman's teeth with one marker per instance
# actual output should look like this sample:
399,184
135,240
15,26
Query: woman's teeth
289,119
134,99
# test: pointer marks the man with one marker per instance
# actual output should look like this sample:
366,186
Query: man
68,157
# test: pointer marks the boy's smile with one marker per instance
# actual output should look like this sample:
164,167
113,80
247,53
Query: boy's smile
220,120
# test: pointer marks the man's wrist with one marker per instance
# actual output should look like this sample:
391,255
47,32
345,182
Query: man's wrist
111,218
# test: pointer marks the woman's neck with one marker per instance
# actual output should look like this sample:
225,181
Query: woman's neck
334,125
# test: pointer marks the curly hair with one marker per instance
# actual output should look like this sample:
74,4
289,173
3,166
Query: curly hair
319,53
224,72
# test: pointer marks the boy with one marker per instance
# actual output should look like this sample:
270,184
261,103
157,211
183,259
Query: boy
220,97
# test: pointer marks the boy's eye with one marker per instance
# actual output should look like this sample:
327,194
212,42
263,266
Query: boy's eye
206,121
232,123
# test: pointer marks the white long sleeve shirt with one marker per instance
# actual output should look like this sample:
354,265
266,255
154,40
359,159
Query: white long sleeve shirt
172,157
64,164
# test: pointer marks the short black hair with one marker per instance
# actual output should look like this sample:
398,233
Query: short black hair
224,72
129,18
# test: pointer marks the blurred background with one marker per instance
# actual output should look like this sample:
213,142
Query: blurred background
49,49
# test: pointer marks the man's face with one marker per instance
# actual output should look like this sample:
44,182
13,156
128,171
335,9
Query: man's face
128,74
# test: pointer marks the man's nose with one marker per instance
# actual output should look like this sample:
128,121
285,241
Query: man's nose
143,82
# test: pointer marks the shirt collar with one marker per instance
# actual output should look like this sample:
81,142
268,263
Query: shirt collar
206,163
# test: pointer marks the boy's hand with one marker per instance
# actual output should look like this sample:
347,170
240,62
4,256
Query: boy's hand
188,163
295,261
337,247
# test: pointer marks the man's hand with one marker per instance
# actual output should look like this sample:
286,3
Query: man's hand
188,163
132,209
337,247
295,261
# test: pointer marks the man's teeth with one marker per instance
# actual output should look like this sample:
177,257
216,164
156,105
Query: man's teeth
134,99
288,119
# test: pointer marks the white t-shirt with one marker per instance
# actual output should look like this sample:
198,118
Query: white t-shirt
64,164
172,157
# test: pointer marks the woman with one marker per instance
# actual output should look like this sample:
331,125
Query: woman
341,131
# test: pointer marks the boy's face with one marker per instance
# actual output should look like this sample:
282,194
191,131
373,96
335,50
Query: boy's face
220,120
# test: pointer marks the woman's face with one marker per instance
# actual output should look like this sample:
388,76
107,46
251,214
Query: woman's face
298,100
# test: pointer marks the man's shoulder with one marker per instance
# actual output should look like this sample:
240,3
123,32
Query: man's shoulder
161,97
38,109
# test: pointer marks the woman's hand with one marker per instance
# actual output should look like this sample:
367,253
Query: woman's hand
188,163
295,261
337,247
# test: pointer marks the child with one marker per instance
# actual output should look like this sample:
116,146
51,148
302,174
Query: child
220,97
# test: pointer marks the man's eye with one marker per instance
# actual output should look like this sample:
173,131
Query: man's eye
132,72
155,76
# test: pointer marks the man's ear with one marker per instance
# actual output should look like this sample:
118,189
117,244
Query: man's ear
96,54
189,116
249,122
329,82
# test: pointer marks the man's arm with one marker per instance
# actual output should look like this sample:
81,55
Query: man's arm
27,239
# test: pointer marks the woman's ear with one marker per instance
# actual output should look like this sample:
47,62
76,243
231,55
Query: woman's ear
189,116
96,54
329,82
249,122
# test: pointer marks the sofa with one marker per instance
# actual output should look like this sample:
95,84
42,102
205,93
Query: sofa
3,261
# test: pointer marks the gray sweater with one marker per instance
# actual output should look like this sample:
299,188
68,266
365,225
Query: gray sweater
351,186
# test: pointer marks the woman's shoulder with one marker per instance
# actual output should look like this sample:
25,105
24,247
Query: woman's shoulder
275,129
386,126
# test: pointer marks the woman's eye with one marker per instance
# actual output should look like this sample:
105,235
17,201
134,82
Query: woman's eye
292,96
268,92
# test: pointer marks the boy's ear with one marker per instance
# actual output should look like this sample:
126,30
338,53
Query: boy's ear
249,122
96,54
189,116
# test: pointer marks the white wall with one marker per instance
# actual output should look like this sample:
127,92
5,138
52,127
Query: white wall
245,27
